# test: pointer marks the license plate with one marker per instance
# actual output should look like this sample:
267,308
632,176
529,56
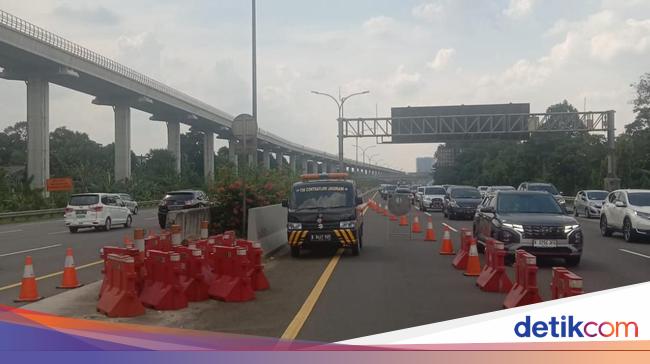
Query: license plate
320,237
81,213
544,243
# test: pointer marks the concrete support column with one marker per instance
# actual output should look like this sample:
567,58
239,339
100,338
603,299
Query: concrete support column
305,165
38,131
279,157
294,162
232,153
266,158
122,141
174,142
208,156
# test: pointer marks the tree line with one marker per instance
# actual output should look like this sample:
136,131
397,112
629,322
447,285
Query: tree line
571,161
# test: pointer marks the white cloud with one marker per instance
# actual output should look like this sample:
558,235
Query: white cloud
518,9
403,82
379,25
442,58
428,11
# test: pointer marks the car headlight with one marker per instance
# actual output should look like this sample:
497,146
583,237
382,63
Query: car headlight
453,203
570,228
561,201
644,215
348,224
427,198
294,226
515,227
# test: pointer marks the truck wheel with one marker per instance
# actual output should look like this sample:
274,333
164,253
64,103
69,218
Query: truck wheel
295,251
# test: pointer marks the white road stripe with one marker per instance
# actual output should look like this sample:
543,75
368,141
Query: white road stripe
30,250
58,232
11,231
450,227
635,253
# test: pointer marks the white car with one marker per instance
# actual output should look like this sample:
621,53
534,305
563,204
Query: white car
432,198
130,202
627,211
96,210
589,203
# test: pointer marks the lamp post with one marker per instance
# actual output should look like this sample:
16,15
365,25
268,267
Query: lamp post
363,152
339,103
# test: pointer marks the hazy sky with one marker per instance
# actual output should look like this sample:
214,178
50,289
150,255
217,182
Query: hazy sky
441,52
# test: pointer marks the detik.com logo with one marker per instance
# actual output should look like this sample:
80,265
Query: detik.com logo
568,326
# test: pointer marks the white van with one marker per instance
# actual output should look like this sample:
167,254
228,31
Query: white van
96,210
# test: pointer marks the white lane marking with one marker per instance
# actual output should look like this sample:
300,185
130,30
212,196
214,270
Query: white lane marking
58,232
635,253
11,231
30,250
450,227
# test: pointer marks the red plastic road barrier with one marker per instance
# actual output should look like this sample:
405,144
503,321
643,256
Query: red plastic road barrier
164,241
233,283
131,252
493,277
138,238
204,229
120,298
227,238
565,283
525,290
460,260
191,274
256,271
162,289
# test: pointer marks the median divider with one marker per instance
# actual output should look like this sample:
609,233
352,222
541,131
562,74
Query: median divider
565,283
162,288
493,277
120,296
462,256
525,290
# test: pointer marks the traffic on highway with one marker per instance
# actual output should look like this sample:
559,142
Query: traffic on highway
416,176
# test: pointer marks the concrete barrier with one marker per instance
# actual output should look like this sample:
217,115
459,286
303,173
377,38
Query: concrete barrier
189,220
268,225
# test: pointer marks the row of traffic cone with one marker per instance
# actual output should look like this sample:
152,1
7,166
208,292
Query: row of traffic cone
28,287
473,264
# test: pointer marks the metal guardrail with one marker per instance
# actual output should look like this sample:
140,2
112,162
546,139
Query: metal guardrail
56,211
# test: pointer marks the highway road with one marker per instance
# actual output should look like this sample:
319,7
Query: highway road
395,283
46,241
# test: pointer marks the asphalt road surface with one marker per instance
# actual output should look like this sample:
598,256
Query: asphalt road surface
46,241
398,281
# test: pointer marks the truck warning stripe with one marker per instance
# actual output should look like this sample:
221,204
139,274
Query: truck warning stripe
292,237
304,234
349,235
338,235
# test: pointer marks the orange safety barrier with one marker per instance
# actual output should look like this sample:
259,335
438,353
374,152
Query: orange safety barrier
120,297
493,277
525,290
565,283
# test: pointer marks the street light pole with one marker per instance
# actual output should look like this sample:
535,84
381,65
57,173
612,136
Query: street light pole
339,103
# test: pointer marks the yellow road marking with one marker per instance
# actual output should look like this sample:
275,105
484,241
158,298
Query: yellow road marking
301,317
51,275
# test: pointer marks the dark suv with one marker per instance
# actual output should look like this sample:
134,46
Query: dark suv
461,201
324,211
529,220
178,200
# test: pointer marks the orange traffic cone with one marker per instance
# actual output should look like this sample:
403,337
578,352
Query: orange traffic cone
28,289
446,248
128,243
473,263
430,235
385,209
416,228
403,221
69,279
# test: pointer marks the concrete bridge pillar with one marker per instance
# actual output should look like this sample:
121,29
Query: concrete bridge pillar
305,165
266,158
293,160
208,156
38,131
122,112
232,153
174,143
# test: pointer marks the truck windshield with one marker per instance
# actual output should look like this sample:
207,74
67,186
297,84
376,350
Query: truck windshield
527,203
322,196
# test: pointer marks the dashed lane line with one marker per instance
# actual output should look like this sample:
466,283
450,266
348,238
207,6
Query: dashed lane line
635,253
11,231
52,275
30,250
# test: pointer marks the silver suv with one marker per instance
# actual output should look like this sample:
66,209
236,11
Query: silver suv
627,211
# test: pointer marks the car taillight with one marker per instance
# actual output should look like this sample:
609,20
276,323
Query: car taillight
67,210
97,208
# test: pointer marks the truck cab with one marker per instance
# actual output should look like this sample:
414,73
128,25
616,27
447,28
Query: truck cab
324,210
